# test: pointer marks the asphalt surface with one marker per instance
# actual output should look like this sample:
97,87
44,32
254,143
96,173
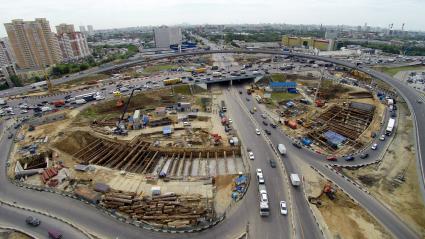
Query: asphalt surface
90,218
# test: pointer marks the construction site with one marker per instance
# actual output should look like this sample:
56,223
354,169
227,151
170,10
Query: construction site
335,117
163,157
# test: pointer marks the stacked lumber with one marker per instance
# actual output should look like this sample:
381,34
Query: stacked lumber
169,209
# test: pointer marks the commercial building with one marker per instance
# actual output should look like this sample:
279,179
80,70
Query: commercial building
73,44
34,44
308,42
166,36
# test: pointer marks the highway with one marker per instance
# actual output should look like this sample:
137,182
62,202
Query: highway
101,224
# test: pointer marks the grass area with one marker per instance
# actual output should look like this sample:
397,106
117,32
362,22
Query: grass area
394,70
282,96
158,68
182,89
279,77
89,78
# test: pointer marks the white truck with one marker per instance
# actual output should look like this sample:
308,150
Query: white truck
295,180
3,101
390,127
216,74
281,148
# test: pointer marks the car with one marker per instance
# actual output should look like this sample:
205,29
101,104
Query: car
265,123
257,132
240,92
251,155
263,116
261,179
33,221
419,101
230,121
247,99
349,158
374,146
272,163
252,111
363,156
259,171
382,138
186,123
283,208
297,144
331,158
268,132
273,125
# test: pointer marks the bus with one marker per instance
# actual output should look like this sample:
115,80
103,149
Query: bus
172,81
264,209
87,97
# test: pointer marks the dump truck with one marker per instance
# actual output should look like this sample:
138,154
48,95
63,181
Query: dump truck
295,180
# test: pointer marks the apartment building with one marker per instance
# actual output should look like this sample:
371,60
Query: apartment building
33,43
73,44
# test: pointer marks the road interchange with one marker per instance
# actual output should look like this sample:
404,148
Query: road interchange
378,210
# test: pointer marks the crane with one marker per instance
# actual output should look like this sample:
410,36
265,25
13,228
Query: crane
120,130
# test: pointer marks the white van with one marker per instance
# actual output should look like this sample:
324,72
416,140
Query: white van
281,148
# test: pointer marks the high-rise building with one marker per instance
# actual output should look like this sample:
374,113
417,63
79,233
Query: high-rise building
166,36
73,44
7,65
83,29
90,29
34,44
64,28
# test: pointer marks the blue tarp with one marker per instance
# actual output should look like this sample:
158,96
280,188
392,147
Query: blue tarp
290,104
334,138
166,130
288,84
241,179
145,119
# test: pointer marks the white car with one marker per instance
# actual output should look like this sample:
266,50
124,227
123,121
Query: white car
374,146
382,138
259,171
230,121
257,131
260,178
251,155
283,208
186,123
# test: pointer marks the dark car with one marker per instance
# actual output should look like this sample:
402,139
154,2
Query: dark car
32,221
272,163
252,111
265,123
349,158
240,92
273,125
297,145
363,156
267,131
247,99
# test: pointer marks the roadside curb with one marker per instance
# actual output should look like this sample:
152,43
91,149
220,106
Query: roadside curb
16,230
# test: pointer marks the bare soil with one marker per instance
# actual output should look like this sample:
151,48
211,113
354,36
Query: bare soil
341,217
385,180
224,185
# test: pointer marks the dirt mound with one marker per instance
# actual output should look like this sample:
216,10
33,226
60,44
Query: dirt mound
74,141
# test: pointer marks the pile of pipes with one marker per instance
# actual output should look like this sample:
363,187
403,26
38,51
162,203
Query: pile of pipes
168,209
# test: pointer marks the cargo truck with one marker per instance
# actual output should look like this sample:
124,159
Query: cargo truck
390,127
295,180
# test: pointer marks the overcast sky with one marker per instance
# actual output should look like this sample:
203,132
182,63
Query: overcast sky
104,14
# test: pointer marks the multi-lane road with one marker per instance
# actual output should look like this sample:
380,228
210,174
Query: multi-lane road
94,221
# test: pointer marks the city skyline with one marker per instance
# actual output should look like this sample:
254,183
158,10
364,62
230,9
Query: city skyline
130,13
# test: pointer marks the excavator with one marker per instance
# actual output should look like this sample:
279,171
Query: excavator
328,190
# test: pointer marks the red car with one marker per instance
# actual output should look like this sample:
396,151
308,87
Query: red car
331,158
